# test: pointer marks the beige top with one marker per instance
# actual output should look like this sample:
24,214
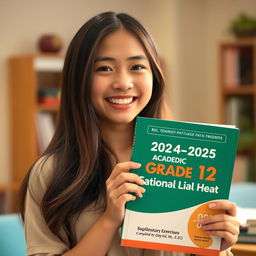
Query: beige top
41,241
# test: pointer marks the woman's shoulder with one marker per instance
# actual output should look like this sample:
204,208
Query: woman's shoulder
42,169
40,175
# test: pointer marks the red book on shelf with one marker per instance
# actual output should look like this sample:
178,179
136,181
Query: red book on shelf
231,67
49,101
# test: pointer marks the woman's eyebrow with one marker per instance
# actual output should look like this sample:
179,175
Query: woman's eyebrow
136,57
104,59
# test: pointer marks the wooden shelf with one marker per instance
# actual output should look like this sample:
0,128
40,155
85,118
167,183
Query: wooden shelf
9,187
239,90
237,80
28,74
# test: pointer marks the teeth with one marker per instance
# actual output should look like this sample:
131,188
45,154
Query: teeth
120,101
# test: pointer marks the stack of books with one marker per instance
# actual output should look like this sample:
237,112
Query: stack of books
248,232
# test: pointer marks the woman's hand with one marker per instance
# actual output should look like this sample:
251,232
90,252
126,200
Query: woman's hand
223,225
122,186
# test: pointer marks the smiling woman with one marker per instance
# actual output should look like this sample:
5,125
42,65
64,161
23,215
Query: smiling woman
73,198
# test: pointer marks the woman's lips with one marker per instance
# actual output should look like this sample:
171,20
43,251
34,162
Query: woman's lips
121,102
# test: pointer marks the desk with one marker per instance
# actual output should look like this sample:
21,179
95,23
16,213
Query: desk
244,249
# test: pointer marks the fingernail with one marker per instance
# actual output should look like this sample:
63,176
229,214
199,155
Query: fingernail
138,165
143,190
142,182
213,205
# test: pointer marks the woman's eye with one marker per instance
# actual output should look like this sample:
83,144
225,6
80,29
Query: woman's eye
138,67
104,68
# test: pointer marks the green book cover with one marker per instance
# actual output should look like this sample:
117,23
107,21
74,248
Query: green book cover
185,166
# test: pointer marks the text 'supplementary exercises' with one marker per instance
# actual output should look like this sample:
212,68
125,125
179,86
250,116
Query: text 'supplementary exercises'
185,167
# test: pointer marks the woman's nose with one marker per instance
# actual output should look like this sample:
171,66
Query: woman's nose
123,81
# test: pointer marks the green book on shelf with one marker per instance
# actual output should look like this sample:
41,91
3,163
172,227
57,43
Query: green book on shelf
185,166
245,237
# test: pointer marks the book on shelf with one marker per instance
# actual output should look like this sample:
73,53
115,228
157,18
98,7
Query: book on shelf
246,238
248,232
45,129
240,111
246,65
185,167
231,67
234,105
238,66
49,96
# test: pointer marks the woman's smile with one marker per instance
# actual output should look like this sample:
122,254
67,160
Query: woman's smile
121,102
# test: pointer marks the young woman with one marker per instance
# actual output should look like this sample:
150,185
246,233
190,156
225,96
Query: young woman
73,198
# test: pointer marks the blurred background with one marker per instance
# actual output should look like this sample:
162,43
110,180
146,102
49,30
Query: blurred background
210,72
190,35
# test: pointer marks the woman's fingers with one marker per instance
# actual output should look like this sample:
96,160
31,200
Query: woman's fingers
227,206
121,182
230,226
224,225
127,188
122,186
219,218
228,238
123,167
123,178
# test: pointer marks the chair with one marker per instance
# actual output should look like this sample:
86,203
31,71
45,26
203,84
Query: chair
12,239
243,194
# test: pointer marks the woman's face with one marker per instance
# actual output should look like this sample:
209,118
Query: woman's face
122,79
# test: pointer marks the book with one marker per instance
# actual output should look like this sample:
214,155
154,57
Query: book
231,67
49,96
247,238
238,66
252,226
246,65
45,129
234,106
185,167
247,233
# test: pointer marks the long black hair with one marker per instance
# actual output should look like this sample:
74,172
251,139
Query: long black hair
82,160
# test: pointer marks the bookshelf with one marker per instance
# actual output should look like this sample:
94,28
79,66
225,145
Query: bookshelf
34,82
238,100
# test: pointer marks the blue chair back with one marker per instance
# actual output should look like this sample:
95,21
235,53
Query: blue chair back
12,239
243,194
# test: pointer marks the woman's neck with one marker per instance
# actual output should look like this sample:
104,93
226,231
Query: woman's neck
120,139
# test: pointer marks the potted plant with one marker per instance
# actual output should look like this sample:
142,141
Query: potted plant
243,26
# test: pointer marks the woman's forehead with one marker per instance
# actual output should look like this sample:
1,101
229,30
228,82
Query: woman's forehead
120,42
